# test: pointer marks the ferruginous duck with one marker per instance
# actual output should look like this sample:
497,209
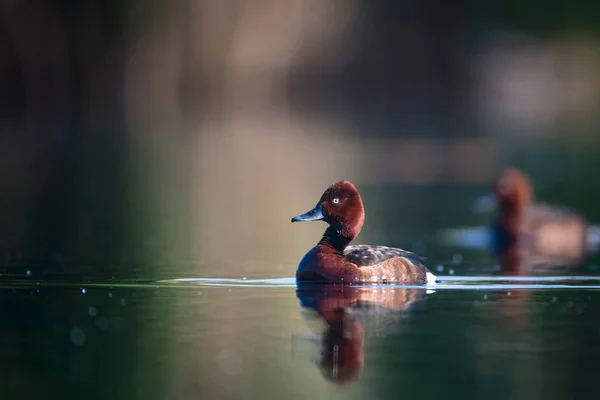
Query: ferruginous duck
333,260
533,232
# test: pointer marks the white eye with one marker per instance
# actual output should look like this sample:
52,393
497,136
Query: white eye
336,200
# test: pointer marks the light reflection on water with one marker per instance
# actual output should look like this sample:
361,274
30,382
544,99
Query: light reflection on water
445,283
238,337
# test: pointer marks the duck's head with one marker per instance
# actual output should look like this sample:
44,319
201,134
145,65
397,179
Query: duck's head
341,207
511,191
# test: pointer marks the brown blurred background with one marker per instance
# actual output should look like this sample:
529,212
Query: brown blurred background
154,137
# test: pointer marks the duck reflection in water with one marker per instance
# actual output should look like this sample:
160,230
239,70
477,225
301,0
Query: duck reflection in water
349,315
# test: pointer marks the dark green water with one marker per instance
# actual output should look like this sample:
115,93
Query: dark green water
247,339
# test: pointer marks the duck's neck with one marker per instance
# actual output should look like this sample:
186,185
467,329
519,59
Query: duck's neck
333,240
507,225
513,208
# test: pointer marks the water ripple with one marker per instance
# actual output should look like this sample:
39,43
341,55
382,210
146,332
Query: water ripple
445,282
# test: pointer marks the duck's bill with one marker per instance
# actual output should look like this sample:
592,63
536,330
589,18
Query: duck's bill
485,203
316,214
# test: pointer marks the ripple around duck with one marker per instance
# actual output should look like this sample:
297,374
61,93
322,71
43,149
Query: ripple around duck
452,282
445,282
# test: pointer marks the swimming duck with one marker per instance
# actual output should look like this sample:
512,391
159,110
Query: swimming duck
333,260
538,233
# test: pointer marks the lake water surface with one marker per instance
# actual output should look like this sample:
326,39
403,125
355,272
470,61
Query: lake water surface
467,337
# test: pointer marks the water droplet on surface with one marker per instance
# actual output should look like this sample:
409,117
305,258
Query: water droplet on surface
451,271
485,296
110,294
92,311
508,294
77,336
83,291
440,268
28,272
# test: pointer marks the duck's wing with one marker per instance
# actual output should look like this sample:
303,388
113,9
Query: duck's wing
365,255
555,234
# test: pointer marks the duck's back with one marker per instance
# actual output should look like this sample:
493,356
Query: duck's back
366,255
541,213
556,231
389,264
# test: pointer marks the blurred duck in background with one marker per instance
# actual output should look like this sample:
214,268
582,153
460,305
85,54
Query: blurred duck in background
534,234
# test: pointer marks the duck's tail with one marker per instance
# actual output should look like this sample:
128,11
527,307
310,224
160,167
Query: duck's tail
593,238
431,278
